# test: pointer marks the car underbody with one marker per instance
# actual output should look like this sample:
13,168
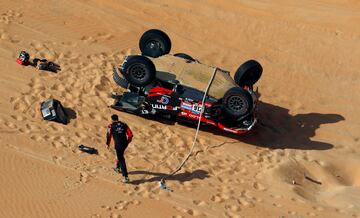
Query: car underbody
180,88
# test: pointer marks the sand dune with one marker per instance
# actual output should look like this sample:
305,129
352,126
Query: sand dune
300,161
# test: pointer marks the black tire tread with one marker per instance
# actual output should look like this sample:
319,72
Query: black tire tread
248,73
237,91
139,59
119,80
158,35
184,56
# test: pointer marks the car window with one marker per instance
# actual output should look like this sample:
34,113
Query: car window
221,84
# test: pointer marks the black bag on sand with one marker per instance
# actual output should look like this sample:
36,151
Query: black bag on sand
51,109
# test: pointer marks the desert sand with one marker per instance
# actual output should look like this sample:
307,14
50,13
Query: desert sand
302,159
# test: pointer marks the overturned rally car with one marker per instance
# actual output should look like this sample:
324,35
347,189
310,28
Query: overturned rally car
173,86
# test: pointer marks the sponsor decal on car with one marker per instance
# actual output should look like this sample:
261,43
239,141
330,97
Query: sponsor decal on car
186,106
159,106
193,116
163,100
183,114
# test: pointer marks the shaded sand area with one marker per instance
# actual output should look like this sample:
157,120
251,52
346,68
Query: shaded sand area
302,160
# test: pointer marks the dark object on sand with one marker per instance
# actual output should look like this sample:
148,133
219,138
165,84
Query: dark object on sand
52,110
87,149
23,59
40,64
43,64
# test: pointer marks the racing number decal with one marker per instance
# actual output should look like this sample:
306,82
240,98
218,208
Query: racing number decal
196,108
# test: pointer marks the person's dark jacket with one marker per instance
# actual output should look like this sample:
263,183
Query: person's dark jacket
121,133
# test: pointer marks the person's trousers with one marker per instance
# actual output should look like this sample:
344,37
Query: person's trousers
121,161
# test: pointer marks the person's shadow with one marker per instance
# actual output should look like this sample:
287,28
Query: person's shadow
278,129
181,177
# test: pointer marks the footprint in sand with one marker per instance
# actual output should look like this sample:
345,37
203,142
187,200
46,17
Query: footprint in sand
200,203
12,146
84,177
106,207
56,127
95,39
95,116
24,130
180,209
80,135
115,215
231,215
19,106
259,186
57,159
57,144
234,208
311,214
277,205
88,39
290,212
106,36
9,16
36,138
58,87
244,202
276,196
69,43
10,125
193,212
18,117
217,198
5,36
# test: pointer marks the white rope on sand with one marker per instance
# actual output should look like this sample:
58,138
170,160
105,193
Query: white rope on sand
162,181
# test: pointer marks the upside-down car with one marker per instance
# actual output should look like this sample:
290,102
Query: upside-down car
173,86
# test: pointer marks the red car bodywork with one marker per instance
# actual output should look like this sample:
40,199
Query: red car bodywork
186,110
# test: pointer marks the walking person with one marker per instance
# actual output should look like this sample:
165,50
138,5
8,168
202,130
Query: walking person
122,135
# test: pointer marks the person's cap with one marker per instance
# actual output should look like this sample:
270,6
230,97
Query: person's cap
114,117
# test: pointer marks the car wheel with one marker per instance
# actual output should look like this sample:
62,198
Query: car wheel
237,102
139,70
120,81
248,73
184,56
154,43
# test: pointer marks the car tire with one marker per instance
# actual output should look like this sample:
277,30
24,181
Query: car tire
184,56
237,102
120,81
139,70
154,43
248,73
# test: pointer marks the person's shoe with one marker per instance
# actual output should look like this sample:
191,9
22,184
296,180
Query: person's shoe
117,169
126,180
